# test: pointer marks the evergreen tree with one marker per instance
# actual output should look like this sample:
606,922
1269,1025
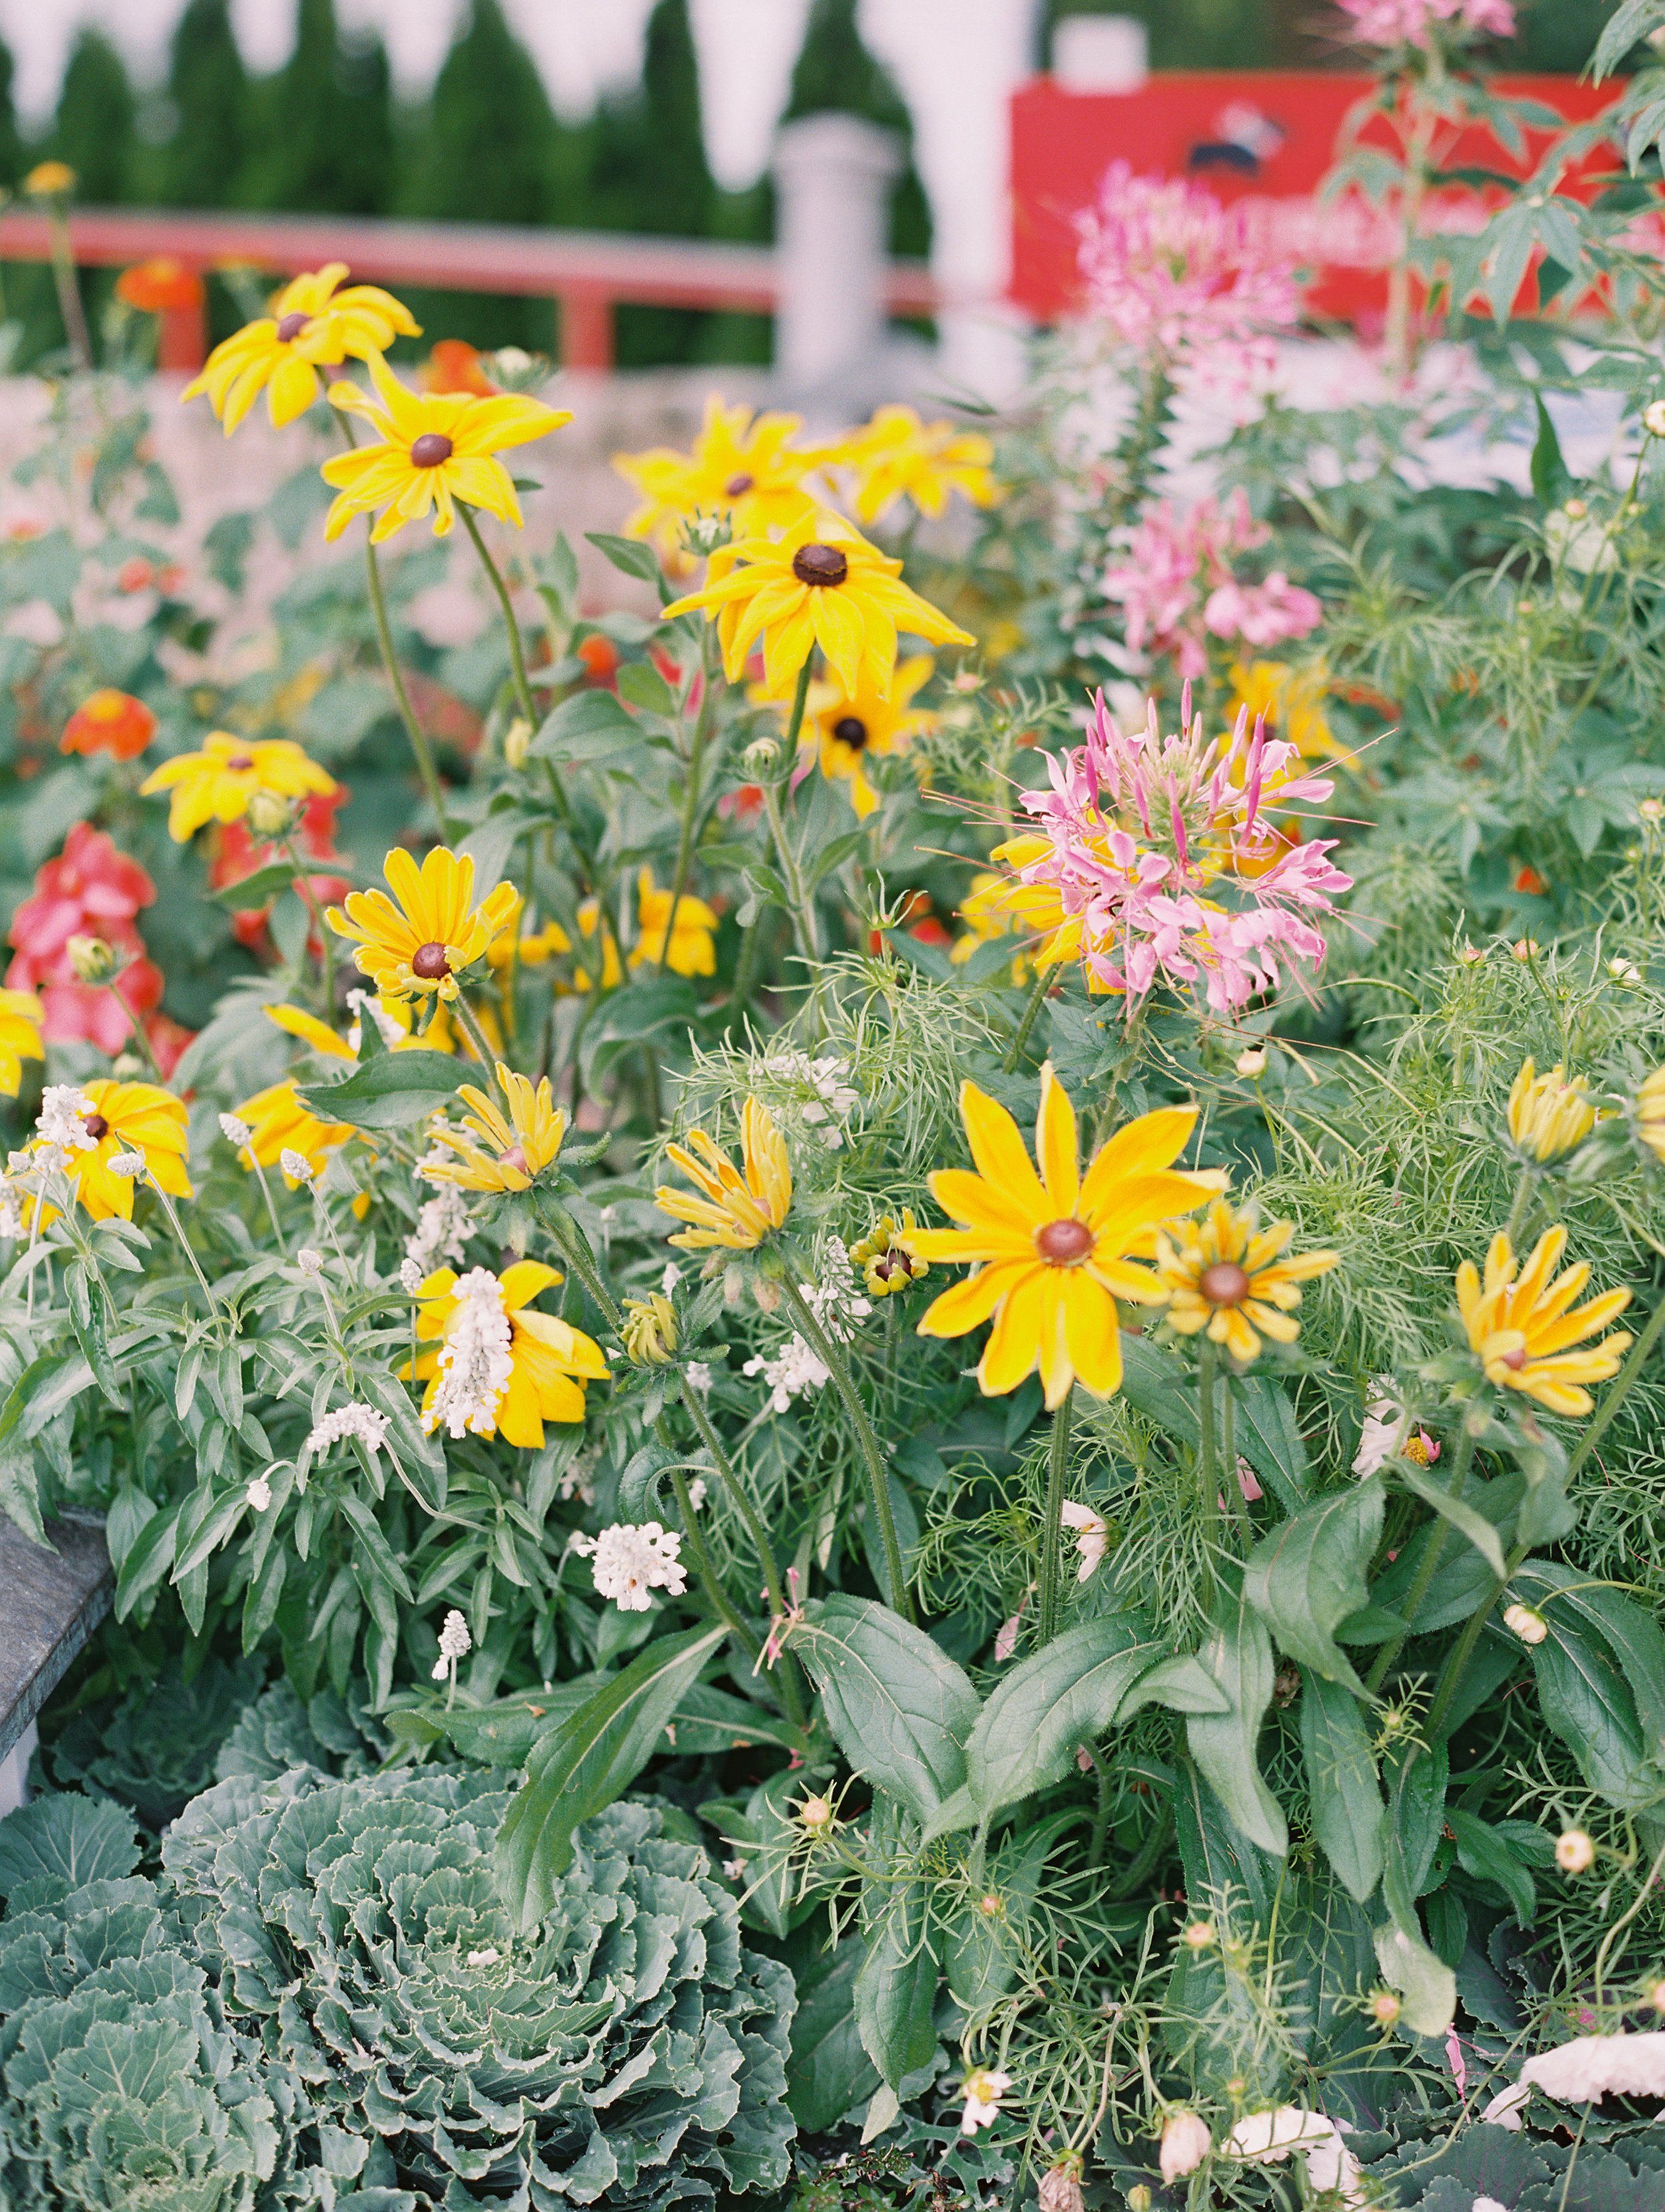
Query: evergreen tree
11,150
328,124
94,128
209,87
836,74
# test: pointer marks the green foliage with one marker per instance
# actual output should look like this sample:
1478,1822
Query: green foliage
208,86
93,130
328,131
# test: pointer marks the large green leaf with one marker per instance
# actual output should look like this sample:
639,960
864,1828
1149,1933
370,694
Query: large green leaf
1416,1815
1466,1519
1269,1438
1427,1985
1307,1575
1066,1695
590,725
1630,1632
899,1708
896,1990
1343,1792
1587,1703
829,2073
390,1091
1238,1653
587,1760
1490,1857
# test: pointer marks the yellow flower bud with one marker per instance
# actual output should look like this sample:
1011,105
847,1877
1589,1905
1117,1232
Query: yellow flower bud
1549,1115
49,179
93,960
650,1330
516,740
272,814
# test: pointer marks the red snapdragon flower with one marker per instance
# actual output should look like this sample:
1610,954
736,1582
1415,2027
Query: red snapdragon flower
89,890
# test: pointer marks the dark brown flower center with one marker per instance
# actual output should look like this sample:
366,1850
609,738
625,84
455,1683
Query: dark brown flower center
1065,1244
291,327
850,730
820,565
429,961
241,763
96,1127
1224,1284
430,450
738,487
1514,1360
515,1157
891,1263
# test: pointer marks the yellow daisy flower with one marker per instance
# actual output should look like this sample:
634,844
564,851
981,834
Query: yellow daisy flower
1292,701
850,725
435,930
219,783
436,447
1523,1331
591,925
279,1121
316,322
1651,1112
693,944
1051,1251
1548,1115
737,1209
532,948
390,1013
897,457
1224,1280
548,1360
21,1017
50,181
740,466
518,1149
887,1259
128,1117
819,583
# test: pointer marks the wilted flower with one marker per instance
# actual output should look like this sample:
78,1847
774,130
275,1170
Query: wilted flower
1061,2185
1595,2066
982,2090
1548,1115
1575,1853
629,1563
1092,1539
1272,2135
1524,1332
1186,2142
1524,1621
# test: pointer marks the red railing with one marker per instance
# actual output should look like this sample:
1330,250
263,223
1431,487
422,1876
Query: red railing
588,272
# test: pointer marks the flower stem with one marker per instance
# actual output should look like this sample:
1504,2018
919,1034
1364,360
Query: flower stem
802,914
690,803
1052,1529
820,1343
1031,1008
1425,1573
468,1021
721,1604
69,289
1518,1212
1615,1397
177,1227
271,1206
413,729
517,651
137,1028
1456,1659
1208,1473
303,884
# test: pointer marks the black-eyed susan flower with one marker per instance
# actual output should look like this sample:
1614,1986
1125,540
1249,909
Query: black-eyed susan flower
819,583
493,1368
117,1118
21,1017
685,943
435,448
316,322
1651,1112
422,943
598,948
851,727
529,948
737,1208
1227,1278
887,1259
220,781
503,1152
1051,1252
1523,1331
279,1121
899,457
741,466
1549,1114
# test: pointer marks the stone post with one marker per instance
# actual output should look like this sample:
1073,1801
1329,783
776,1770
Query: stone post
833,175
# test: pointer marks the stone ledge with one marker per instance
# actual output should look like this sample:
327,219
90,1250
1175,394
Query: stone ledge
50,1604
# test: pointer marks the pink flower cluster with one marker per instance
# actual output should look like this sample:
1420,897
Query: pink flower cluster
1176,581
1411,23
1177,276
1163,858
90,891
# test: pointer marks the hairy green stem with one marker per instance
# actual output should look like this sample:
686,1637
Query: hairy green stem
1425,1573
1052,1526
820,1343
1208,1473
413,729
303,884
1635,1361
1031,1008
1517,1212
137,1028
469,1023
803,913
1143,1862
721,1604
517,651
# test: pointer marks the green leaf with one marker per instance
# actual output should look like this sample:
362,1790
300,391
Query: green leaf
1586,1700
590,725
631,556
1482,1852
254,889
1307,1575
829,2073
1181,1684
1465,1519
587,1761
1269,1438
149,1558
899,1708
1156,1384
391,1092
1416,1813
1238,1655
1342,1788
641,682
69,1837
1061,1697
503,1733
1552,480
1631,1633
1427,1987
896,1990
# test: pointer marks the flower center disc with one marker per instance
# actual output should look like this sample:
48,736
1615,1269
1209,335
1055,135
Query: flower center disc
738,487
432,449
241,763
1065,1244
96,1127
514,1157
820,565
291,327
1224,1284
429,961
1514,1360
850,730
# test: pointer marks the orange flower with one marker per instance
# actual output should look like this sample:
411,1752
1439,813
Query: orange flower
112,722
158,285
454,366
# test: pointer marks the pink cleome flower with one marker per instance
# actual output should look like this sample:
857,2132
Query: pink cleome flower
1177,276
90,891
1173,560
1411,23
1161,862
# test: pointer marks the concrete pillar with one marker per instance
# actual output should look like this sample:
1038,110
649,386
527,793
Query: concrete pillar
833,176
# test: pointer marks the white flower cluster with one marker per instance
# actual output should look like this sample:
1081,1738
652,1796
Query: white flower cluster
794,1370
628,1563
439,1239
455,1643
474,1361
831,1096
362,1422
296,1165
838,1306
367,1001
62,1120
